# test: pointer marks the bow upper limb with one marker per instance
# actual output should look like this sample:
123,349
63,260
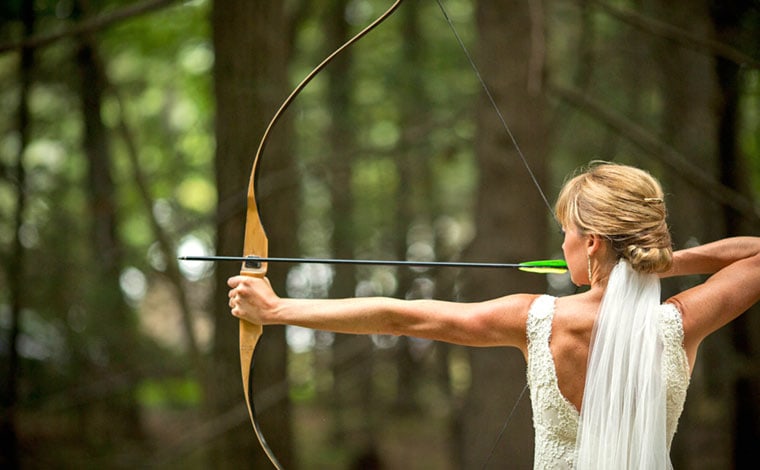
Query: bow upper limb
498,322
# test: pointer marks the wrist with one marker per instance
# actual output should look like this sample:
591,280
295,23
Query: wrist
274,311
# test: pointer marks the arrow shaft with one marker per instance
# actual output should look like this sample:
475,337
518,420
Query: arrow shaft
362,262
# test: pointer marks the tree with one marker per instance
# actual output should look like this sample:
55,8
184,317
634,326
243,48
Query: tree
9,455
252,45
511,222
733,26
115,419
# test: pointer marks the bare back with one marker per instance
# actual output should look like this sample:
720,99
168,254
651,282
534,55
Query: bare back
559,332
572,326
571,336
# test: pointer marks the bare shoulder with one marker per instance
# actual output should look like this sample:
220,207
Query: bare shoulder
511,308
576,314
503,321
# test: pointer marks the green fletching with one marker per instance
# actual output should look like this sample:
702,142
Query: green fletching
550,266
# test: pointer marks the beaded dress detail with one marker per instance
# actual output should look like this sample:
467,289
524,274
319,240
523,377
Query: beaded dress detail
555,419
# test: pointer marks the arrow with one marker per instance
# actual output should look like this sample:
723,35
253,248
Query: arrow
554,266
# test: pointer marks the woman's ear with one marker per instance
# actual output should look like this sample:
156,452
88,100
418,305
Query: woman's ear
594,243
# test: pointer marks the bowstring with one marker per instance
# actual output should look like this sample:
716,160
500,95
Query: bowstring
495,107
532,175
504,427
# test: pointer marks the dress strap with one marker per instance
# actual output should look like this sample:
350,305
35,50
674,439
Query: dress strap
540,316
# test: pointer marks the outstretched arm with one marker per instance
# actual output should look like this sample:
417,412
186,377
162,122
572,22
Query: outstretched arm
499,322
733,287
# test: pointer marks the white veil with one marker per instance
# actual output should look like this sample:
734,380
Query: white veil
623,415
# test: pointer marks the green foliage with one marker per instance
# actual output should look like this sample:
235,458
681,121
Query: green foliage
169,393
379,75
410,145
749,138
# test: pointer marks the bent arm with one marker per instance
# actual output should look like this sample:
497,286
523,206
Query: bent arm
712,257
732,289
499,322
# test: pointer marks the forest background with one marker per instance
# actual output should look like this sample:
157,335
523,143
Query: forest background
127,136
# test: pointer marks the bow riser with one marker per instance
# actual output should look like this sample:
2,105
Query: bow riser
255,244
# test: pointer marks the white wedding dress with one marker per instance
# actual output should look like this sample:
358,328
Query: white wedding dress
555,419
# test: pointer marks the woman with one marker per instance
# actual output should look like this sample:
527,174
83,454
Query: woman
608,368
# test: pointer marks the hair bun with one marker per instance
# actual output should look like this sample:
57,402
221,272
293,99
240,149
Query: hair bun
624,204
649,260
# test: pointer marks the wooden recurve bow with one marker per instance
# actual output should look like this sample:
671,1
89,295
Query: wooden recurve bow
256,243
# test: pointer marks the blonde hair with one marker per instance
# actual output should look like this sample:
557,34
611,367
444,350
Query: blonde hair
626,206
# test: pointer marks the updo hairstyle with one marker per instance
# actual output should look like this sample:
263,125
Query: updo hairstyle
626,206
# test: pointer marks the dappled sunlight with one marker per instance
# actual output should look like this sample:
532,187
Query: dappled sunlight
124,123
134,285
194,246
197,58
300,340
309,281
196,193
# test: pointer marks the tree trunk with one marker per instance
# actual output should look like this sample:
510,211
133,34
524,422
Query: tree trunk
252,45
727,18
9,451
352,386
117,418
689,125
511,223
411,195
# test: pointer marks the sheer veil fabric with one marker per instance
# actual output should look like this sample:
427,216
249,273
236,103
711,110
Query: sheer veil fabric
623,415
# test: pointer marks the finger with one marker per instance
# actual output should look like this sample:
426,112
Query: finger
236,312
234,281
235,293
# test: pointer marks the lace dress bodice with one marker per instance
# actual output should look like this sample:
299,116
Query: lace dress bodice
555,419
